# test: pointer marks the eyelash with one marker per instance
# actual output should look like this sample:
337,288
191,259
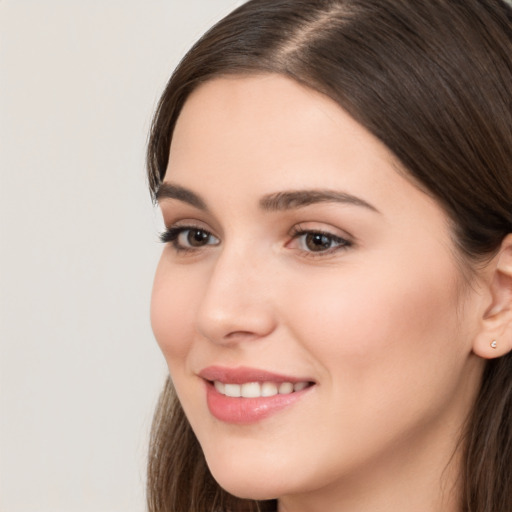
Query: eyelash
171,236
341,243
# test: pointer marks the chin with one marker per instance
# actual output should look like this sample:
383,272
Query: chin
250,483
249,490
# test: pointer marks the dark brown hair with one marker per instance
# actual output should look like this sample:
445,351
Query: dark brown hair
432,79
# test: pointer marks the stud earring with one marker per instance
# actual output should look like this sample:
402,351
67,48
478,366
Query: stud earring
494,343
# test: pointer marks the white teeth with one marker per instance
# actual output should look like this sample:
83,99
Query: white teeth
251,390
269,389
256,389
285,388
232,390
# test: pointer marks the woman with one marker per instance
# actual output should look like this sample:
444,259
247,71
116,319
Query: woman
334,299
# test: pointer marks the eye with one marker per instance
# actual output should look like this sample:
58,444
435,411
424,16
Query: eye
194,238
311,241
188,238
317,242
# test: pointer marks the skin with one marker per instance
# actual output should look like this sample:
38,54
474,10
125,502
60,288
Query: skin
384,324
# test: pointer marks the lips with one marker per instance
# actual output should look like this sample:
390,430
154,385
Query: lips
246,395
243,374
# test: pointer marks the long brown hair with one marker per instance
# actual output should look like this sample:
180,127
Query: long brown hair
432,79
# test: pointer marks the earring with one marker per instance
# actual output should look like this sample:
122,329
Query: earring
494,343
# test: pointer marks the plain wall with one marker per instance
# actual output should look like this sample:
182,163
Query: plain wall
79,369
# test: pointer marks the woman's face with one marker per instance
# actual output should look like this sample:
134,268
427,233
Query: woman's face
299,257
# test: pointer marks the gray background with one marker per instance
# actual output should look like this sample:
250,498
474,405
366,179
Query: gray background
79,369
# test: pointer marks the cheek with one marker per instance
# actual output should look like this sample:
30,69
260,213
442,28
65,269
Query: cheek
365,310
381,334
172,310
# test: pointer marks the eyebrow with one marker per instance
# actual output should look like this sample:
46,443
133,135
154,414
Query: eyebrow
169,191
278,201
300,198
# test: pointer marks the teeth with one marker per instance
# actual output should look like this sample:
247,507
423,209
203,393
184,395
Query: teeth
232,390
251,390
285,388
299,386
256,389
269,389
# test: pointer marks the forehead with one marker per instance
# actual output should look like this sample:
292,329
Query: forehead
262,123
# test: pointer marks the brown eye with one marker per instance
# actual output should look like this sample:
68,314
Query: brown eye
197,237
311,242
316,242
188,238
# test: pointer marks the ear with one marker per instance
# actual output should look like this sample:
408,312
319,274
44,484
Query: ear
495,336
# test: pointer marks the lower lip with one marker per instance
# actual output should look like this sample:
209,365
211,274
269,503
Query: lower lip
248,410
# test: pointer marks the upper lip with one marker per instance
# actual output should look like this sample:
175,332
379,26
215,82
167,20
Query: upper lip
243,374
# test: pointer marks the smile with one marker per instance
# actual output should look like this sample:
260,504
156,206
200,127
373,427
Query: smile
259,389
245,395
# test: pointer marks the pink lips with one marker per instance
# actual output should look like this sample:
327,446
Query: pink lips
247,410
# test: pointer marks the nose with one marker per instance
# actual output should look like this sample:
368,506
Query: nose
237,304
